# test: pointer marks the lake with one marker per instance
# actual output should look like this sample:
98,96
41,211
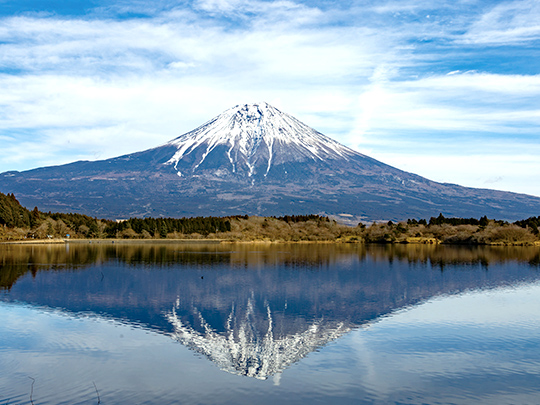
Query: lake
89,323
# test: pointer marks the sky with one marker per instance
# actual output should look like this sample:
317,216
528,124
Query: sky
447,89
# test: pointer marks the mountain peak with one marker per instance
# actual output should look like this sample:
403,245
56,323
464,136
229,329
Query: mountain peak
254,109
253,138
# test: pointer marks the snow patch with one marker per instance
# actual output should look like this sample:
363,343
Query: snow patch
244,128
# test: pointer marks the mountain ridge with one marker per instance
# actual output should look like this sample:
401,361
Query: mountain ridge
254,159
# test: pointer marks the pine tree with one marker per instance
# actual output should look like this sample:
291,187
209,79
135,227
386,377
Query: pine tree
35,218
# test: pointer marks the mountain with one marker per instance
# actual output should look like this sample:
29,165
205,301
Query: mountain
254,159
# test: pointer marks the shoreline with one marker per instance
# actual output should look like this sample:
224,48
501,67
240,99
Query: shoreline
111,241
415,241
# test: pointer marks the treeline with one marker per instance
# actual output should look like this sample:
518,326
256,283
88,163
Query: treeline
162,227
532,223
468,231
302,218
441,219
12,214
18,223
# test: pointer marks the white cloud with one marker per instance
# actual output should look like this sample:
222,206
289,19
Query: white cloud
507,23
508,85
468,165
460,102
264,14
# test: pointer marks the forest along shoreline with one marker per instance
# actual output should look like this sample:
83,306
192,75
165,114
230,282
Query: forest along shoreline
111,241
19,225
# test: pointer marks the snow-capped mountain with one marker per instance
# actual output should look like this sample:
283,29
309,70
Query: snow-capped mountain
254,159
255,139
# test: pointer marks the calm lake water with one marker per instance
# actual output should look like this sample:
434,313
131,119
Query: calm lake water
259,324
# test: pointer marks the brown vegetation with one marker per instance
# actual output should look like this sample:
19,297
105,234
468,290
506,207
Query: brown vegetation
493,233
17,223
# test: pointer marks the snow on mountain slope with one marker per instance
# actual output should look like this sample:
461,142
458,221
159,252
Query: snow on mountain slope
253,137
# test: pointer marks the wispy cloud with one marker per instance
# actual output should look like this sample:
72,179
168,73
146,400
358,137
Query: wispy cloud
470,102
506,24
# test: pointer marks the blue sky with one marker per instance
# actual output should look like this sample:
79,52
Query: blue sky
446,89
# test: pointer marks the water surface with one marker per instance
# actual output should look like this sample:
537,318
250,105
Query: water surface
205,324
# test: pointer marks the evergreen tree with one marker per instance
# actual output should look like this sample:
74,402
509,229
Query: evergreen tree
35,218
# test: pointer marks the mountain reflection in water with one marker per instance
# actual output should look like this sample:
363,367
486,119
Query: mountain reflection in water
251,309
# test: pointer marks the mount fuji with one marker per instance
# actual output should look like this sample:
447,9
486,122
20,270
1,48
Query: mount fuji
254,159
